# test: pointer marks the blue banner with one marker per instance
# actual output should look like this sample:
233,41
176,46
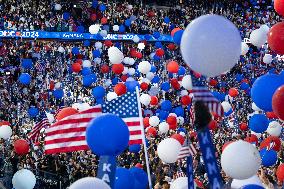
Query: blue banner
189,172
79,36
209,158
106,170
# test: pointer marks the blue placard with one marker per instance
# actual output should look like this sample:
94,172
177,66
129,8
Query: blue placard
106,170
79,36
209,158
189,172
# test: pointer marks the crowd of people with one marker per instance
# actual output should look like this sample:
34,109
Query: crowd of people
51,66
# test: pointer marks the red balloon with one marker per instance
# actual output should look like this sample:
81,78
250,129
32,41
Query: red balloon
280,172
233,92
139,55
173,126
5,123
271,140
21,147
152,132
226,144
76,67
151,13
174,31
172,67
172,120
252,139
213,82
243,126
94,17
117,68
185,100
160,52
154,100
104,20
120,89
144,86
80,61
105,68
213,125
146,122
133,53
276,38
124,78
171,46
179,138
139,165
51,85
279,6
175,84
66,112
278,102
108,43
271,115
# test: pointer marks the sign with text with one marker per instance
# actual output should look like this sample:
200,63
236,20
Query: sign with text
106,170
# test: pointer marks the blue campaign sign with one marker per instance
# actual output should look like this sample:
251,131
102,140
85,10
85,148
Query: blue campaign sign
208,154
189,172
79,36
106,170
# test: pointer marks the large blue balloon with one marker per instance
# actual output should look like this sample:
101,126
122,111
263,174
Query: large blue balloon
268,157
263,90
27,63
98,92
135,148
141,179
177,37
33,111
165,86
89,79
25,78
179,111
58,93
163,115
258,123
252,186
124,179
166,105
107,135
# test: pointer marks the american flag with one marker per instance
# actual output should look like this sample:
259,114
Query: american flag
43,122
40,65
69,134
179,174
187,150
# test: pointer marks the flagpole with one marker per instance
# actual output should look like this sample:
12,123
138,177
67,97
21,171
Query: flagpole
143,138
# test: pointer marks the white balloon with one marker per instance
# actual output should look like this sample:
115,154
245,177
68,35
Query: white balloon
226,106
183,93
187,82
125,71
274,128
57,7
245,48
57,85
264,28
94,29
150,75
267,59
168,150
136,39
236,184
180,120
131,61
87,64
240,160
254,107
180,183
144,67
108,83
89,183
164,127
211,45
5,132
131,71
61,49
98,45
258,37
154,121
126,60
141,46
97,60
154,91
24,179
145,99
111,96
115,55
103,33
115,28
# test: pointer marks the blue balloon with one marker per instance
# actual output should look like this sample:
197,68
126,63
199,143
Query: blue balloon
127,23
158,44
177,37
244,86
182,130
140,178
123,179
121,29
58,93
107,135
66,15
86,71
87,43
163,115
33,111
167,20
268,157
114,81
75,50
89,79
25,78
131,85
156,58
102,7
179,111
263,90
252,186
135,148
166,105
181,70
258,123
165,86
106,27
153,69
96,53
95,3
155,79
27,63
80,29
156,35
98,92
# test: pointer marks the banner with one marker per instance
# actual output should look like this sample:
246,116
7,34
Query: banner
189,172
106,170
79,36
